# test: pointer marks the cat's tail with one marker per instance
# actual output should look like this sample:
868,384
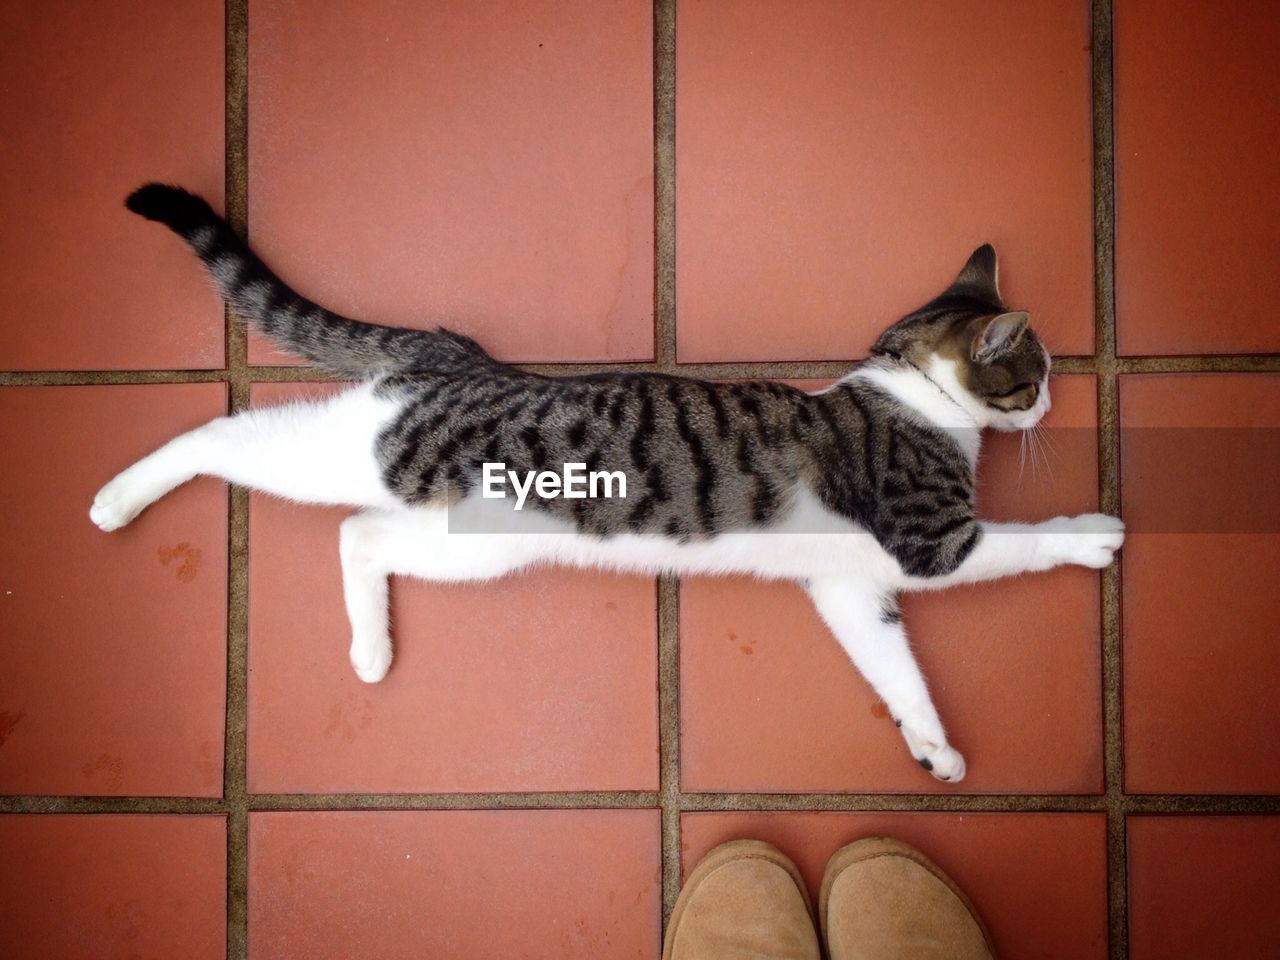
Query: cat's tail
346,347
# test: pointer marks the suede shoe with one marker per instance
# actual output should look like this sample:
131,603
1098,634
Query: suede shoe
744,901
884,900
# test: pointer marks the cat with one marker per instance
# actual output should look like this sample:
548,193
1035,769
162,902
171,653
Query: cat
857,492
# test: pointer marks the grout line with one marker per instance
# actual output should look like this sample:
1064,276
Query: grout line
664,183
50,804
669,796
914,802
1222,363
235,781
1104,213
1146,804
553,800
665,344
715,370
79,378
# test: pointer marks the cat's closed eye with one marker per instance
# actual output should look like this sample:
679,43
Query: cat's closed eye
1013,392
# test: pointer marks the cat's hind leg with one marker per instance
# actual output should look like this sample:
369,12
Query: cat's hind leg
866,622
415,542
317,452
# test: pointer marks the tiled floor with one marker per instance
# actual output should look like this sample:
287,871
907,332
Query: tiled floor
188,766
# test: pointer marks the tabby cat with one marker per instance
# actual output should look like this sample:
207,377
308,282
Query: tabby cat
857,491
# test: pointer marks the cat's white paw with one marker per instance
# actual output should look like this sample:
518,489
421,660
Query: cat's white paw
371,660
935,755
1089,540
945,763
120,501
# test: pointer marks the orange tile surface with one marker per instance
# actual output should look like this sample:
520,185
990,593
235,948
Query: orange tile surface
1037,880
113,662
837,162
129,886
98,98
490,168
1203,887
520,883
1200,456
770,702
1197,120
546,681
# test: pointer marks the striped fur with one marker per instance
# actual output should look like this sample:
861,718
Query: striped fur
338,344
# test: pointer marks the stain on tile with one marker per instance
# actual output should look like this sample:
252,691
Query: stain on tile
8,722
185,558
105,771
349,717
127,917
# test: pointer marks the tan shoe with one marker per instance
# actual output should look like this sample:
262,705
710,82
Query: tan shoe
884,900
744,901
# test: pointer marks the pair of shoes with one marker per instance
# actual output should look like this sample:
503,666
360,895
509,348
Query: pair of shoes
881,900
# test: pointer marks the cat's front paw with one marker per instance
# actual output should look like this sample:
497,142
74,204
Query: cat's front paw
1089,540
371,660
935,755
945,763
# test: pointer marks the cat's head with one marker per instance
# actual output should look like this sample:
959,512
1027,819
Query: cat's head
985,356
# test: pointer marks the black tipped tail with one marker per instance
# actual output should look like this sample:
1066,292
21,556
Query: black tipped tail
177,209
345,346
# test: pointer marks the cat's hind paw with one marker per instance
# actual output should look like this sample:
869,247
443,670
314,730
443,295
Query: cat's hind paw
371,661
119,502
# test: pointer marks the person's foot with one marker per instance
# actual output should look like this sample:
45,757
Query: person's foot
744,900
884,900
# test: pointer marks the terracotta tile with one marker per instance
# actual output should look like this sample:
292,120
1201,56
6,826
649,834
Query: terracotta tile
1037,880
1203,887
542,681
547,883
769,701
112,886
489,169
838,162
1200,607
98,99
1197,119
113,666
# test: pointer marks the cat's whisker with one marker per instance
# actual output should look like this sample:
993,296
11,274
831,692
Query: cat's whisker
1047,447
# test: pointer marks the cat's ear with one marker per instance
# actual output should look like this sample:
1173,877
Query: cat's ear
980,277
998,335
